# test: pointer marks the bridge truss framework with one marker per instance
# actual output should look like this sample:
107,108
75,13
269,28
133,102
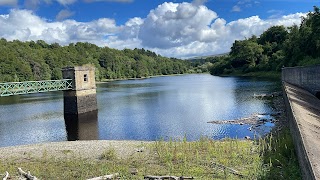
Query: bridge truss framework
28,87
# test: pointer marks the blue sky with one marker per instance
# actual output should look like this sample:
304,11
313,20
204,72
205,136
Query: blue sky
177,28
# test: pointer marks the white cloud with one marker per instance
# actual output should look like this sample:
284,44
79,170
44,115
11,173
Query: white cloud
171,25
8,2
184,30
93,32
199,2
275,13
244,4
32,4
172,29
66,2
64,14
26,26
236,8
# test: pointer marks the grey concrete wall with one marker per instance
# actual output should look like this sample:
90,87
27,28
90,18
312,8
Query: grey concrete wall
77,75
301,139
307,78
75,104
301,87
82,98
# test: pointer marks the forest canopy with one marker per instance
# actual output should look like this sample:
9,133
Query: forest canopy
28,61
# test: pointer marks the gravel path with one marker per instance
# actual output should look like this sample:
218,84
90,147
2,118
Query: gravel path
74,149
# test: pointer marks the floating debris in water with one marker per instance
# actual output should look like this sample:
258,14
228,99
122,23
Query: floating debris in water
262,96
255,119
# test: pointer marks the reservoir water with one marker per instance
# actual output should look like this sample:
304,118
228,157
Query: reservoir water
147,109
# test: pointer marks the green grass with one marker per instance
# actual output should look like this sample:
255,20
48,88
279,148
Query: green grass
268,158
197,159
109,154
279,157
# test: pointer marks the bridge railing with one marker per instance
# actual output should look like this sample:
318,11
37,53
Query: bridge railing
27,87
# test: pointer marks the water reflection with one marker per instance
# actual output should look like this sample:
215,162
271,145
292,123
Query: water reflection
82,127
30,98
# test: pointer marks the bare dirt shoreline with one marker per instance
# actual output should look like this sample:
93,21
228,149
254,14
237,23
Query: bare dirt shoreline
73,149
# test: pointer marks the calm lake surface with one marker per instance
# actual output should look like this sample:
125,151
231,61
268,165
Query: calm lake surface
148,109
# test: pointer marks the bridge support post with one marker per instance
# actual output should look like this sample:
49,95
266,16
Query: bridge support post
82,98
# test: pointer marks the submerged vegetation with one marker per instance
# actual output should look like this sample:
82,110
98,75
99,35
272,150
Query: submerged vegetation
271,157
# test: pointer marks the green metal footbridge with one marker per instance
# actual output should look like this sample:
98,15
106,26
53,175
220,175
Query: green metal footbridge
28,87
78,84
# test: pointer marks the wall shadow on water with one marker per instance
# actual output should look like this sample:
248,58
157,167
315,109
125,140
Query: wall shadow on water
82,126
318,94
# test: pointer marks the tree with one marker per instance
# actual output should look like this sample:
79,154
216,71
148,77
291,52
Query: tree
310,33
277,34
246,54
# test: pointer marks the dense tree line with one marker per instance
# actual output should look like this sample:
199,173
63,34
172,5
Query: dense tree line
275,48
25,61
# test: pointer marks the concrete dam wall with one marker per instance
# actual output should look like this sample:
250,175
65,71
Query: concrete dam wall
307,78
300,87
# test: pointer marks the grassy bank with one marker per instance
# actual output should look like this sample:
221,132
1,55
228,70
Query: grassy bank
268,158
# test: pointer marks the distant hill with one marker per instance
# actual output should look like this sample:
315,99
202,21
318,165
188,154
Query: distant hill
205,57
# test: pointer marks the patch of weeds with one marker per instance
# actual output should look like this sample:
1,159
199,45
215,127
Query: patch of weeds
279,157
66,151
109,154
205,157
